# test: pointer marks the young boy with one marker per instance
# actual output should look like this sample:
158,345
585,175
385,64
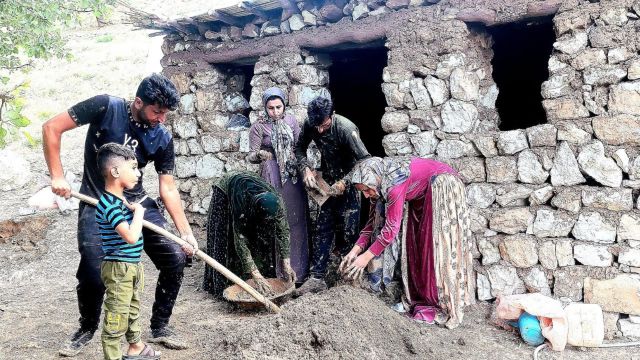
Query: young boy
120,225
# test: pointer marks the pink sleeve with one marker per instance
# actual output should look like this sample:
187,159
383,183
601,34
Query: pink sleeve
365,233
393,219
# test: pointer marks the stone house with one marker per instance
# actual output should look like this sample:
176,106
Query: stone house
536,103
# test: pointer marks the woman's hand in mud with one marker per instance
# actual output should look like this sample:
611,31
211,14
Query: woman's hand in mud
356,269
349,259
287,271
262,285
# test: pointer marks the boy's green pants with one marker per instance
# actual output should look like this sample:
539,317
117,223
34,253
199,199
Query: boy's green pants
124,283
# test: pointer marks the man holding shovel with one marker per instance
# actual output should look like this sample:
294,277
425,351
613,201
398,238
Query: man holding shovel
138,125
340,146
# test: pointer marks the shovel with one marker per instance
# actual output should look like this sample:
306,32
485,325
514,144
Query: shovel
206,258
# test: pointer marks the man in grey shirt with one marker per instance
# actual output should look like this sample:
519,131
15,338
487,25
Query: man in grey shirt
338,140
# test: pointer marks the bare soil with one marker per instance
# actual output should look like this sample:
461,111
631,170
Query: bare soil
39,257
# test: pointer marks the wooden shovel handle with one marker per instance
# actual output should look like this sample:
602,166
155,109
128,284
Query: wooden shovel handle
202,255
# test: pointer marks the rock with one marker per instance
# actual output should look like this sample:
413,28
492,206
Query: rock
592,255
592,226
203,79
501,169
624,98
511,221
568,131
542,135
489,96
478,222
545,155
309,18
484,288
250,30
185,166
633,73
564,108
397,144
464,85
541,196
567,21
303,95
420,94
393,74
622,159
480,195
629,328
610,324
296,22
472,169
513,194
16,171
519,250
549,223
619,55
449,62
309,75
486,145
187,104
208,166
236,102
424,143
555,65
558,85
210,101
394,97
397,4
602,169
547,255
437,89
629,227
589,58
458,116
565,169
614,16
568,283
512,142
629,257
489,251
393,122
571,43
530,170
360,11
504,280
611,199
569,199
194,147
564,252
453,149
269,29
604,75
625,287
535,280
185,127
634,169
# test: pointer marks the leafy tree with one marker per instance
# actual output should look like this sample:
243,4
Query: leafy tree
32,29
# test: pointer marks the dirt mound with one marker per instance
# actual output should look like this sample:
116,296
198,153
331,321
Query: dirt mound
26,234
343,321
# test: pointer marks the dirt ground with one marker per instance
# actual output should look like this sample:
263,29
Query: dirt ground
38,253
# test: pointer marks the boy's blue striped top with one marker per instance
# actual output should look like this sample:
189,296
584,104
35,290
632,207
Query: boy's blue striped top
110,212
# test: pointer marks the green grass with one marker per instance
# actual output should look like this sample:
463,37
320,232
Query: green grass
104,38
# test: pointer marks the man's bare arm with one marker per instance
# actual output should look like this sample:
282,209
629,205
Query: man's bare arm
52,131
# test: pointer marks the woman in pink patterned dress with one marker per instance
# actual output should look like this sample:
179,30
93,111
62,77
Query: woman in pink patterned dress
436,249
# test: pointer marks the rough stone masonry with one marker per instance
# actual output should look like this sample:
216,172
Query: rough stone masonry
555,207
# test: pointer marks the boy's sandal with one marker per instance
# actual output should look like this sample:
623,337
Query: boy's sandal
147,353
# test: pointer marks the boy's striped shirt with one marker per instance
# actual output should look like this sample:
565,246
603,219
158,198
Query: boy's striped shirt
110,212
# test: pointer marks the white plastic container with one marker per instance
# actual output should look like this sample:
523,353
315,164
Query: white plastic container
586,325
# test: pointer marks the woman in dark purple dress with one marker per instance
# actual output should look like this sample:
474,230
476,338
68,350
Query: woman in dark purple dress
272,141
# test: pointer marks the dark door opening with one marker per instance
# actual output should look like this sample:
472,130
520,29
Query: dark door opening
356,87
521,51
239,81
355,82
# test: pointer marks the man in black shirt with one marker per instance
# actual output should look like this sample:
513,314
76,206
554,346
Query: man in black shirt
138,125
340,146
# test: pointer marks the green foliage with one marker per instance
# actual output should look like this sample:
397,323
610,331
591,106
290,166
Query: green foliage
32,29
104,38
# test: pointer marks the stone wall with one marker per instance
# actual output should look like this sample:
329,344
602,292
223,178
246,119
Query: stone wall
555,207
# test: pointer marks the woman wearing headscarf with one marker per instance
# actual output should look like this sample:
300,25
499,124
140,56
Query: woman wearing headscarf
436,242
247,232
272,142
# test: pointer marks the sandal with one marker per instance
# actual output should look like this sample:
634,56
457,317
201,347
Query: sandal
147,353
